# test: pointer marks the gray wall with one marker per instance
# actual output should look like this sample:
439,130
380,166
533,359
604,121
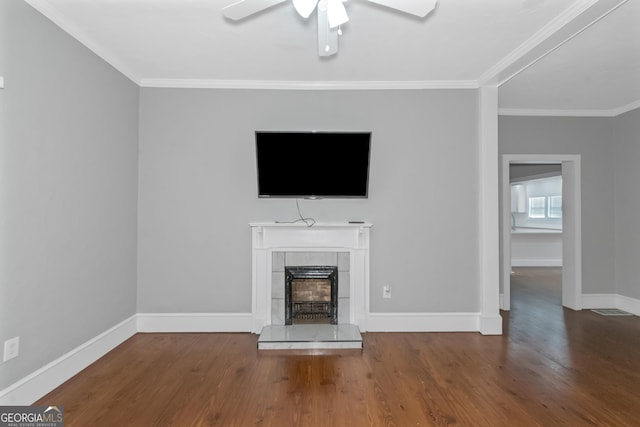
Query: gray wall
68,152
69,192
592,138
627,209
198,193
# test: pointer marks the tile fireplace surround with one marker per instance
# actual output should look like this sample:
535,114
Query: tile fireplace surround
268,238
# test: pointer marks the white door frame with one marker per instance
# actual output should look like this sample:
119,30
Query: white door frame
571,224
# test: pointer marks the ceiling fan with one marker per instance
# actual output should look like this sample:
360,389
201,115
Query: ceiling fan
331,15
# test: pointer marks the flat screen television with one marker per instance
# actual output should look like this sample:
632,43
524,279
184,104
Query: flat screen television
314,164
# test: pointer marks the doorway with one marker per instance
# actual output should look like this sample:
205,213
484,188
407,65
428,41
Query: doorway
571,224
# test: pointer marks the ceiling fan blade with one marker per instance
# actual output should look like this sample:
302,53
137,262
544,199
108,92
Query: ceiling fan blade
305,7
243,8
419,8
336,13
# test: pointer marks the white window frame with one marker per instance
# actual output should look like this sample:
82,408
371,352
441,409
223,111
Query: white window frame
551,205
542,209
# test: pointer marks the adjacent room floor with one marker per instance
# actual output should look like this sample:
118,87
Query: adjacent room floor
552,367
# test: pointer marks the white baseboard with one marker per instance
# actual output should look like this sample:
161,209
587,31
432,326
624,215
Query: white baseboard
195,322
491,325
632,305
621,302
542,262
50,376
599,301
423,322
37,384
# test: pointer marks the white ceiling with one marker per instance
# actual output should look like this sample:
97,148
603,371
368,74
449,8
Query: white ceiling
598,70
463,43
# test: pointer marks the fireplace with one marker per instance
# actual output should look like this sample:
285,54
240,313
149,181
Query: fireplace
311,295
277,245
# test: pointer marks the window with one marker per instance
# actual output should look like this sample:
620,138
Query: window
545,207
537,207
555,207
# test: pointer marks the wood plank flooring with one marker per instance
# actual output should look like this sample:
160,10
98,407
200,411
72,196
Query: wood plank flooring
553,367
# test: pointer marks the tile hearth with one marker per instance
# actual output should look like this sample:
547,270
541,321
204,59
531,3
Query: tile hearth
298,337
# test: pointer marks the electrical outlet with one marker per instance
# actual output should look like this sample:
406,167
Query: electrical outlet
386,291
11,348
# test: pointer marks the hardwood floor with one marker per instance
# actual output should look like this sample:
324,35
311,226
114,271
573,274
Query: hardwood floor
552,367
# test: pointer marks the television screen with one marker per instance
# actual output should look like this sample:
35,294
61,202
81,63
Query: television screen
313,164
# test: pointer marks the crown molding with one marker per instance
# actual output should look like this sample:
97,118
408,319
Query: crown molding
626,108
50,12
564,27
46,8
308,85
544,33
542,112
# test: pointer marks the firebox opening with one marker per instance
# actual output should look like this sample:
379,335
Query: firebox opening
311,295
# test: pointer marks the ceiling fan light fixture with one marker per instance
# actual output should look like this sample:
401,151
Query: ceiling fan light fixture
336,13
331,15
305,7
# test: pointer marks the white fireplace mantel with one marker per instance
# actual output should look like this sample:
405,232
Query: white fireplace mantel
272,237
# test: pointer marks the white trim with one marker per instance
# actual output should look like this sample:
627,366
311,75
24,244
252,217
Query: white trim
542,262
626,108
194,322
423,322
581,21
267,238
490,325
48,10
1,82
375,85
308,85
532,112
541,112
572,232
590,301
42,381
572,225
535,40
621,302
632,305
564,27
489,211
